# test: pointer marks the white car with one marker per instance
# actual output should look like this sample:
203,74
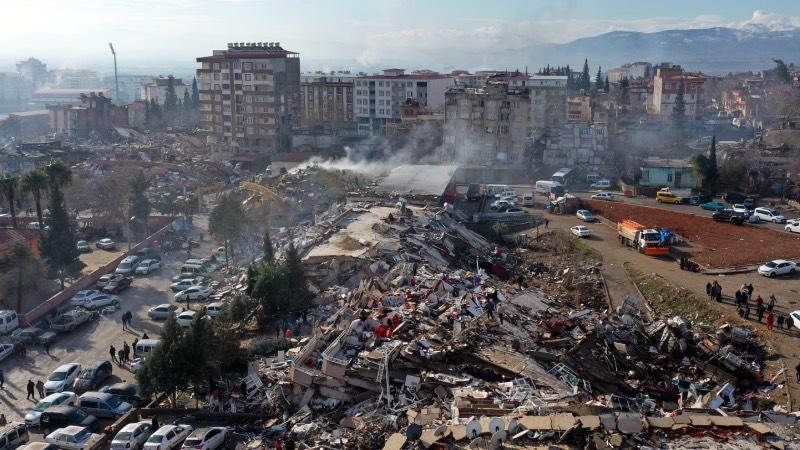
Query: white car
214,309
193,293
132,436
106,244
72,438
795,315
603,196
161,311
777,267
581,231
147,266
769,215
108,278
81,297
57,399
601,184
501,204
185,318
205,439
168,437
585,215
506,195
99,301
6,350
740,208
793,226
183,284
62,378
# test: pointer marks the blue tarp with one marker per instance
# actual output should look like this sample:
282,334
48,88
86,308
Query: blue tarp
666,235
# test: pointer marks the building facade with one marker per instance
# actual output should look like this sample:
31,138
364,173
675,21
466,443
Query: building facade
91,116
583,145
548,101
327,102
59,96
660,172
33,70
250,96
632,71
156,89
378,98
666,85
579,109
488,125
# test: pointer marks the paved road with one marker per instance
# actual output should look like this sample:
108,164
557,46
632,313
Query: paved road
91,342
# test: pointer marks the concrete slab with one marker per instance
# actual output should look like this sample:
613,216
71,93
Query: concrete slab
395,442
660,422
459,432
589,422
729,421
759,428
609,421
562,422
700,420
629,423
536,422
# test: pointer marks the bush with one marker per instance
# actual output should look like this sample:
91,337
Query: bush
268,346
238,308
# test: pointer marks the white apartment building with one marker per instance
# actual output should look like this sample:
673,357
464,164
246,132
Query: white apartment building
630,71
378,98
157,89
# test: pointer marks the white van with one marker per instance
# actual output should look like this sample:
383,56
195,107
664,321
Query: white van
9,321
492,189
543,187
145,347
194,269
527,199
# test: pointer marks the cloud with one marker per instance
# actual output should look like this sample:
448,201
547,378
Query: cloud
768,20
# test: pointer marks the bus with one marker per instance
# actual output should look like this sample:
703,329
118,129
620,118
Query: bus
565,176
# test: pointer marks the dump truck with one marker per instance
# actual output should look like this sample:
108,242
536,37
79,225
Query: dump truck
647,240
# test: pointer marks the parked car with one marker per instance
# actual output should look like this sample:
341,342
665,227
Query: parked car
185,318
698,199
713,206
192,293
214,309
7,349
501,205
601,184
147,266
183,284
792,226
81,296
514,210
83,247
668,197
770,215
161,312
100,300
33,335
70,320
585,215
9,321
777,267
109,278
72,437
127,392
729,215
740,208
608,196
749,203
106,244
127,266
168,437
103,404
62,416
57,399
132,436
117,286
795,318
92,376
13,435
205,439
733,197
62,378
581,231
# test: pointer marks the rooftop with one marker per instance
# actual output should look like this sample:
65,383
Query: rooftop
665,163
64,92
418,179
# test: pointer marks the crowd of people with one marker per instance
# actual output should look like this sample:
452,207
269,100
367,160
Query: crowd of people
764,313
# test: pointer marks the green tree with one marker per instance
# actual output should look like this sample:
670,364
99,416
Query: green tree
23,258
271,289
269,253
195,94
170,99
585,84
700,168
781,72
187,106
598,80
168,369
35,184
58,243
679,110
606,86
225,222
139,205
9,186
296,279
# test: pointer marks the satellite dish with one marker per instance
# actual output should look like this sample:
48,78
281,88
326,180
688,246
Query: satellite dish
442,431
473,429
414,432
479,444
497,424
497,439
513,426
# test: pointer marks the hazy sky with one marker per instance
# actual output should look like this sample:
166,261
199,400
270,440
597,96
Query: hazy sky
171,33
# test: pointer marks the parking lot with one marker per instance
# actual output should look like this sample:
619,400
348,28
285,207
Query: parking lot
91,341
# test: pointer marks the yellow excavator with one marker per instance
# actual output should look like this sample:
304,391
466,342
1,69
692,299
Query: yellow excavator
258,194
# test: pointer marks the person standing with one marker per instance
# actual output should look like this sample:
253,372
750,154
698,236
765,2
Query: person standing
120,356
738,298
47,347
771,303
760,312
759,301
797,372
789,324
747,311
2,379
113,352
770,321
708,290
40,388
780,321
155,423
30,388
127,351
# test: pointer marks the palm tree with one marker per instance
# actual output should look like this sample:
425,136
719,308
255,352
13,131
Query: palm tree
9,186
58,175
35,183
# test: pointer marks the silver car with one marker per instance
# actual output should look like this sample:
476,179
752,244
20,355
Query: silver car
162,311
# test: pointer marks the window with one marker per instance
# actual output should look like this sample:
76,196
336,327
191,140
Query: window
247,66
669,178
248,77
216,76
216,66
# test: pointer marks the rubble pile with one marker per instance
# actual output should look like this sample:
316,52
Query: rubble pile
426,334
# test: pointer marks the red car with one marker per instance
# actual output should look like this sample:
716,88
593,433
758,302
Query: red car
117,286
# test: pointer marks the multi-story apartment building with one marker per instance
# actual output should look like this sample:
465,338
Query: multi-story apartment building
378,98
579,109
666,84
488,125
583,145
632,71
250,96
548,101
91,115
34,70
156,89
327,101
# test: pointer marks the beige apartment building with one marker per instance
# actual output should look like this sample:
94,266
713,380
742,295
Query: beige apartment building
327,102
250,96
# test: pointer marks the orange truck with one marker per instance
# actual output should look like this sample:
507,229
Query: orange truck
646,240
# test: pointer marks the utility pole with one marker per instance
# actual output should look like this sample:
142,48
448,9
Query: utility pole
116,79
